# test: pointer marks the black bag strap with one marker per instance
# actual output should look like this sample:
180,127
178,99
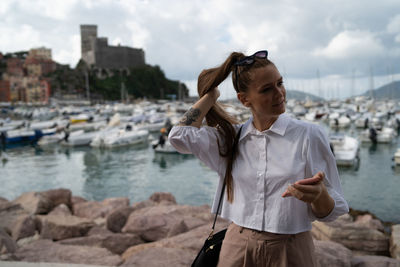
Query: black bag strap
223,186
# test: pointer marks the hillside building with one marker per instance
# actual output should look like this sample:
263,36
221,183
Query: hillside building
24,78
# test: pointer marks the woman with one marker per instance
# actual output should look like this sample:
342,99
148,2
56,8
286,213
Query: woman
280,173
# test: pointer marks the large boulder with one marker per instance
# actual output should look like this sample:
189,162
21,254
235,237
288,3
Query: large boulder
158,222
93,209
98,230
58,196
395,242
77,199
144,204
16,221
374,261
62,227
332,254
61,209
368,221
49,251
7,244
25,226
117,219
116,243
360,239
44,202
34,203
179,250
3,200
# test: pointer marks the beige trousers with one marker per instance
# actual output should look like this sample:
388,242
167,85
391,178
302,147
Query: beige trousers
243,247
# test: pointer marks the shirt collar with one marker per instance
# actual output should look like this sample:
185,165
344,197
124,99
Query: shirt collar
278,127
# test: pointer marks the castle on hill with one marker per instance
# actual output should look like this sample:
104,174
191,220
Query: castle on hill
96,52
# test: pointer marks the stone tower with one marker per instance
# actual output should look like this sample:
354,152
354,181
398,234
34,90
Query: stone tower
88,41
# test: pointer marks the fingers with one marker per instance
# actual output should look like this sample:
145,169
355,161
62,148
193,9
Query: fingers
307,188
296,193
313,180
303,196
286,194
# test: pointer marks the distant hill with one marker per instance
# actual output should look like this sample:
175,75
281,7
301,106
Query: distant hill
302,96
388,91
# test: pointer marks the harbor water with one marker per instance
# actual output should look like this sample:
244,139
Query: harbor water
137,172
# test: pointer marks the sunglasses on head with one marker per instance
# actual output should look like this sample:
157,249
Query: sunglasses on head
250,59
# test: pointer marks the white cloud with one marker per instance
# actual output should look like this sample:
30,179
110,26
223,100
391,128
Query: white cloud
72,54
58,9
116,41
5,7
22,37
139,34
351,44
394,25
394,28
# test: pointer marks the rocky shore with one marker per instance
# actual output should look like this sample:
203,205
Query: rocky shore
54,226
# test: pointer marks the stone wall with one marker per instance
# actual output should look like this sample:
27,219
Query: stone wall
118,57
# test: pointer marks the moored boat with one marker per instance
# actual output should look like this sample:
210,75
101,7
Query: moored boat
165,148
384,135
125,137
346,149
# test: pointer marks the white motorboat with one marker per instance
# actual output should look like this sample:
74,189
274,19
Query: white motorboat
384,135
51,139
299,110
120,137
165,148
41,125
8,125
346,149
125,138
363,121
88,126
79,138
397,157
341,122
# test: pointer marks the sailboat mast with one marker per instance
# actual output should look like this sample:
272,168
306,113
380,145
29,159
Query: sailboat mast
352,82
87,85
371,82
319,83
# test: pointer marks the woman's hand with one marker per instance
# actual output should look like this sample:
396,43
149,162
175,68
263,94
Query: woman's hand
307,190
312,190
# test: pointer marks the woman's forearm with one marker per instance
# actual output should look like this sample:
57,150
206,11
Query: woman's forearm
195,115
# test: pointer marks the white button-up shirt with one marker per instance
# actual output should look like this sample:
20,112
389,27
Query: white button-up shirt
267,162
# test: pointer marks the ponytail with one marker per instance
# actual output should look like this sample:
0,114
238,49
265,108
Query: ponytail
219,118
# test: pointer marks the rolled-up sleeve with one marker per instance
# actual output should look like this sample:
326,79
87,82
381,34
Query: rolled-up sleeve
321,158
201,142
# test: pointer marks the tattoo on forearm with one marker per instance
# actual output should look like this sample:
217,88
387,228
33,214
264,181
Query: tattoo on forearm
190,116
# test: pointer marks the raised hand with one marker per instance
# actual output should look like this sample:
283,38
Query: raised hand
307,190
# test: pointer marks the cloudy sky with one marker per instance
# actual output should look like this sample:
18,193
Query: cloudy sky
339,39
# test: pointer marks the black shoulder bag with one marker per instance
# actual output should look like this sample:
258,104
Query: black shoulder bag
209,253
